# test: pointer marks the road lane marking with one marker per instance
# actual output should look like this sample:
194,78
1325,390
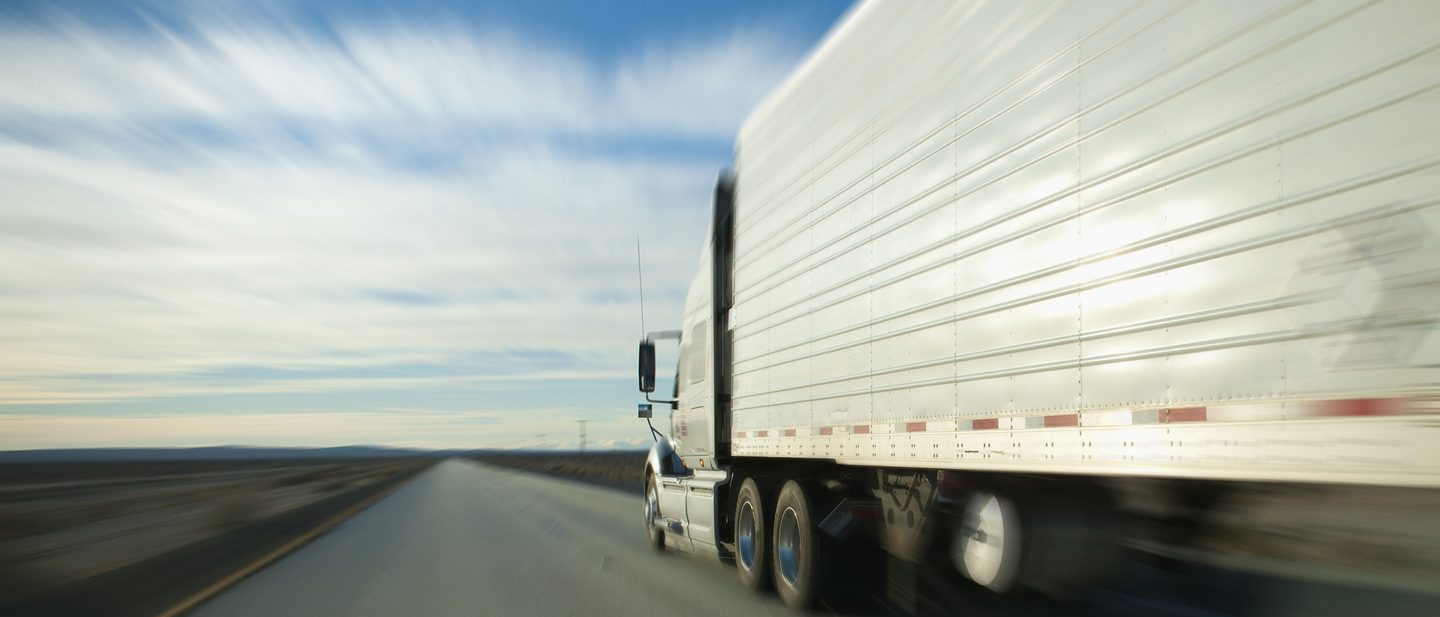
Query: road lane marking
235,577
552,527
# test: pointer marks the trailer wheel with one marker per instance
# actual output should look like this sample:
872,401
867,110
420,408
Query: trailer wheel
652,512
796,567
987,541
751,517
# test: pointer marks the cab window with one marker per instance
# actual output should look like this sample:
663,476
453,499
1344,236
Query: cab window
696,352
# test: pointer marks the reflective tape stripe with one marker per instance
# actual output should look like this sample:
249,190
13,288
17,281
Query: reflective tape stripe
1361,407
1185,414
1068,419
1164,416
1232,412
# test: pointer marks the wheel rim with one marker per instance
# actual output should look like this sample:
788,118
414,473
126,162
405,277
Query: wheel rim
787,545
745,536
651,510
988,540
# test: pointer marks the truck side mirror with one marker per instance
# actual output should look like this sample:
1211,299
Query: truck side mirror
647,366
645,411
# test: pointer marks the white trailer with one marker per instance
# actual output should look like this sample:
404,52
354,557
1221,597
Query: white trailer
972,247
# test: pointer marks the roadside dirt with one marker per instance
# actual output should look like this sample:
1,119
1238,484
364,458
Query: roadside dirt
624,470
63,523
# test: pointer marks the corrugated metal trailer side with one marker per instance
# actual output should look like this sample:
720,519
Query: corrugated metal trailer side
1195,239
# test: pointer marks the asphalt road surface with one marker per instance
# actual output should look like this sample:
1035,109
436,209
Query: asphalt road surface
469,539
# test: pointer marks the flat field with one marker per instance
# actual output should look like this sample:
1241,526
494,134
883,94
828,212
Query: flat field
619,469
62,523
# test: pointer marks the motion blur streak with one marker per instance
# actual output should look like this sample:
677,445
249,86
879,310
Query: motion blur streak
466,539
296,209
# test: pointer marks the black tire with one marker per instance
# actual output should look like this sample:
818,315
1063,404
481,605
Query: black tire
652,511
752,557
797,568
1073,540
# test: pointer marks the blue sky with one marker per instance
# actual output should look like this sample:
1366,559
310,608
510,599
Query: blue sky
322,223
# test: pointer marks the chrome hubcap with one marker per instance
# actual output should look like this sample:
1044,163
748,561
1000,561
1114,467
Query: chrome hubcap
987,542
651,509
745,536
787,547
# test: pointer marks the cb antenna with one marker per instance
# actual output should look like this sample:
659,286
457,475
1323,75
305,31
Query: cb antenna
640,273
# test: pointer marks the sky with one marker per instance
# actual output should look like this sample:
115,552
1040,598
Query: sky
325,223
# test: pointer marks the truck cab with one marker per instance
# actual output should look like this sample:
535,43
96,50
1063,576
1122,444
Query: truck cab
687,470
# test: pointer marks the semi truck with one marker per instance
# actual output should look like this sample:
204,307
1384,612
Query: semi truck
979,263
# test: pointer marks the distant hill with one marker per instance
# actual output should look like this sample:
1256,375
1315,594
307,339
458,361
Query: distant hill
209,453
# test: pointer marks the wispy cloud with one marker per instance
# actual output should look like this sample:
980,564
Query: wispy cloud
357,75
409,428
230,192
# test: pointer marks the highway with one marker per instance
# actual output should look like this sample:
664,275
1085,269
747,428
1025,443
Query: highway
470,539
467,539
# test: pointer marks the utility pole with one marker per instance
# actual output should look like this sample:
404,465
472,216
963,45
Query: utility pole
582,435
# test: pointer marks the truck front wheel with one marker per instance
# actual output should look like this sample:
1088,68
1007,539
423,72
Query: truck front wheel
751,517
796,567
652,515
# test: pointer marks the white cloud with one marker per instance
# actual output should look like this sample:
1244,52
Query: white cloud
239,197
417,429
114,269
426,73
